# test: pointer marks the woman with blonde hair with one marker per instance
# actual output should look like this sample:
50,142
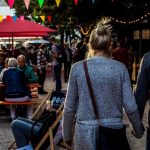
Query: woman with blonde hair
112,92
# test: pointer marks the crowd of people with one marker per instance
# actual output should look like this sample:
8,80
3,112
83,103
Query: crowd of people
110,75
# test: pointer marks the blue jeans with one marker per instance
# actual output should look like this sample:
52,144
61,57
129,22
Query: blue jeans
21,128
57,74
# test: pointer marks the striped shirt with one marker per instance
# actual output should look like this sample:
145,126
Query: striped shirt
41,60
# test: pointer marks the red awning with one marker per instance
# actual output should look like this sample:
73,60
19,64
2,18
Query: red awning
10,28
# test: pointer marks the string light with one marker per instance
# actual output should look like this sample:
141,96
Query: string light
131,21
84,33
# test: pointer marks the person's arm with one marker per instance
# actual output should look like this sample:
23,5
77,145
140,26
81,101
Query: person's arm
1,74
70,106
130,106
33,77
141,91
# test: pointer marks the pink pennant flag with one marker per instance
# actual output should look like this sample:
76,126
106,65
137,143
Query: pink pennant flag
11,3
22,18
27,2
8,18
75,1
49,18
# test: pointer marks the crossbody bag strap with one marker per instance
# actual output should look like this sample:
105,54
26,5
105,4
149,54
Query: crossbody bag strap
91,91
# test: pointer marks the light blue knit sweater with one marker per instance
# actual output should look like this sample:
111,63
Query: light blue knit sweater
112,89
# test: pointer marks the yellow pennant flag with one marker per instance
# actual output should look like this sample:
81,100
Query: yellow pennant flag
43,18
1,18
57,2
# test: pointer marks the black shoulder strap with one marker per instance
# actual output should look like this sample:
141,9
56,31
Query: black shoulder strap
90,89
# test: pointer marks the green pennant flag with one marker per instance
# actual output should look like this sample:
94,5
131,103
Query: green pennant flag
41,3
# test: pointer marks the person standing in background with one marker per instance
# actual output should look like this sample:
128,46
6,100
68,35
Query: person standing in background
41,68
57,65
67,59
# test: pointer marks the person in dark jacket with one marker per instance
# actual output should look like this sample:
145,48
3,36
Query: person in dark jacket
67,57
142,88
16,90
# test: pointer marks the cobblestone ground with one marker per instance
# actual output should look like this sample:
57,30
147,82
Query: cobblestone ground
6,136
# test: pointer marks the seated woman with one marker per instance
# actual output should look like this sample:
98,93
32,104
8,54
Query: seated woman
22,130
16,90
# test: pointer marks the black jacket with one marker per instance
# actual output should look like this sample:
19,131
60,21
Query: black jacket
143,84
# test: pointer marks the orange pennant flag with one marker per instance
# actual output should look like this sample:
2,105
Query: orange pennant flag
43,18
27,2
75,1
49,18
1,18
57,2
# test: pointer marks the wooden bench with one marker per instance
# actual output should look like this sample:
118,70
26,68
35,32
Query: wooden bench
34,94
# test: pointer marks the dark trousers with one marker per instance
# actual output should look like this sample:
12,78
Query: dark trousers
41,78
57,74
67,67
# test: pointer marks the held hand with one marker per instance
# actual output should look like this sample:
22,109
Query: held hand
137,136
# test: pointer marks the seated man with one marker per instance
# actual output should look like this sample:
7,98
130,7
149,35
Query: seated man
16,89
28,71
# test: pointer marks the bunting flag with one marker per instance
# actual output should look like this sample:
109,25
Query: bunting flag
14,18
43,18
22,18
11,3
1,18
27,2
41,3
75,1
49,18
57,2
8,17
93,1
36,17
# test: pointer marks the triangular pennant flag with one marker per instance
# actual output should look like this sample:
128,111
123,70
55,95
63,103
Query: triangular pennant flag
41,2
1,18
43,18
93,1
49,18
35,17
57,2
27,2
22,18
8,18
75,1
11,3
15,18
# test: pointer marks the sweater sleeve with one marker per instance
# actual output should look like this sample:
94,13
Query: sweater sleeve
70,106
130,105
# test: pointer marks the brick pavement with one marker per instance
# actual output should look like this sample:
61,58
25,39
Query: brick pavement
6,135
